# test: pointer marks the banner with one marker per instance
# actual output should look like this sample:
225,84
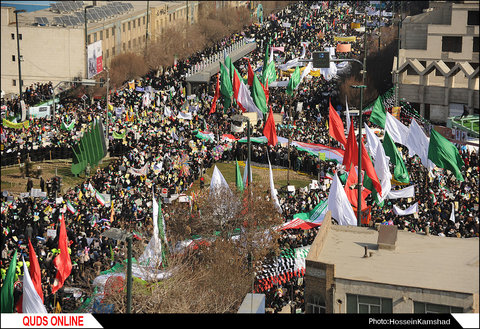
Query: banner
9,124
345,39
344,48
119,136
138,172
94,57
331,154
409,211
408,192
354,25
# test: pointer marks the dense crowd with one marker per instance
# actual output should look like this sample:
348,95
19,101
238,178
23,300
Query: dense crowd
158,140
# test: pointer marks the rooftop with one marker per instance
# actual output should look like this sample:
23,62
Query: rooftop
432,262
70,14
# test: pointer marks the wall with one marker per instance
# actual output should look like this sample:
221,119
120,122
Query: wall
402,297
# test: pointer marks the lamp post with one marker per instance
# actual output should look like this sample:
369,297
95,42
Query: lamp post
18,55
360,123
107,100
86,45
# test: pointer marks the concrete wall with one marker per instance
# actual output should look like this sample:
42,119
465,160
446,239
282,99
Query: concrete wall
49,54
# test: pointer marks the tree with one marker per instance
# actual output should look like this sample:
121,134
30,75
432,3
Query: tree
125,67
212,277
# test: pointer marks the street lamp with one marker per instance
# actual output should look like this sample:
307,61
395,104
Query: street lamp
107,99
86,45
18,54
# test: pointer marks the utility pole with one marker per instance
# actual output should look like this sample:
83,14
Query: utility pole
19,57
86,40
146,27
397,101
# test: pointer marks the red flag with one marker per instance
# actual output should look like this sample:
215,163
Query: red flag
35,270
351,189
250,74
236,88
215,97
335,126
351,157
62,262
269,129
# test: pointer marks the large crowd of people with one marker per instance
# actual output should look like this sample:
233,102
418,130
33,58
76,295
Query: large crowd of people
158,139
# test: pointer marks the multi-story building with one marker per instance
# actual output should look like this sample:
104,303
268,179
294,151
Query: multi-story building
52,41
439,60
353,269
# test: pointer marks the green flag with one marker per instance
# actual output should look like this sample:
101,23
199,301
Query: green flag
269,74
258,95
226,88
400,172
379,114
267,56
230,67
293,82
6,296
238,177
444,154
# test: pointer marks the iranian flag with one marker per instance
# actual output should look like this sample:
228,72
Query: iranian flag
99,198
71,208
307,220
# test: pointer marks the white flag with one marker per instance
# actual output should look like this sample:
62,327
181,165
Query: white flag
152,255
218,181
347,115
372,141
408,192
410,210
273,191
32,302
246,100
245,174
382,169
339,205
397,130
417,143
452,214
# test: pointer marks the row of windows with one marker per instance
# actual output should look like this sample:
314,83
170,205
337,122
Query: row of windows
19,36
371,304
454,44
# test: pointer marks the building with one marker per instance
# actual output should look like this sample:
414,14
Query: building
362,270
52,41
439,60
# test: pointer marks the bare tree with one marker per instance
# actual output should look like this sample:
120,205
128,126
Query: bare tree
214,277
126,66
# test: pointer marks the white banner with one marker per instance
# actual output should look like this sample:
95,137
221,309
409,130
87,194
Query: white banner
409,211
95,61
61,320
407,192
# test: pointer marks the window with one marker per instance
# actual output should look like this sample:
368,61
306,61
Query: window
452,44
94,37
13,58
89,39
14,82
473,17
411,71
113,51
123,46
129,44
123,27
129,26
419,307
143,20
113,31
133,24
476,44
106,33
20,36
13,36
368,304
317,306
107,53
101,35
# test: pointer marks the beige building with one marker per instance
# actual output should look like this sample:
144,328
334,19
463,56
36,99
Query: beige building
362,270
439,60
52,41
